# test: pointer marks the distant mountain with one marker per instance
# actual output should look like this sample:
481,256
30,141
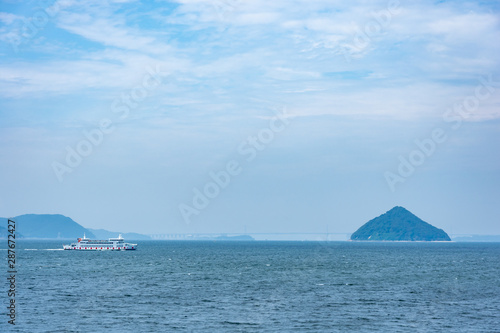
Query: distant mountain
58,226
105,234
47,226
398,224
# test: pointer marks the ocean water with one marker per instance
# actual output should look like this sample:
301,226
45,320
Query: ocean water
208,286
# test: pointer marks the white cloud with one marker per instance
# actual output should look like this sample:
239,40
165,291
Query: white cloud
268,49
8,18
109,33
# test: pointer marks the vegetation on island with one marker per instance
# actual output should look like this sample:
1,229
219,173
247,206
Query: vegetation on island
398,224
56,226
47,226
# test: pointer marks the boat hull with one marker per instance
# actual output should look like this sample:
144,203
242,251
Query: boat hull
113,244
99,248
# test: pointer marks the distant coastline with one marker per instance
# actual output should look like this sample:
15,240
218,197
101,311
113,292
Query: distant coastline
60,227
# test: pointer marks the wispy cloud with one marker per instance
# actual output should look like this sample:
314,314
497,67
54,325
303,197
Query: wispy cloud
265,49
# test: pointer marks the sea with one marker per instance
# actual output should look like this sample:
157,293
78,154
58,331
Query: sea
255,286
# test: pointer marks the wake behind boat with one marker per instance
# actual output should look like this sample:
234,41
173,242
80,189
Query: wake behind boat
86,244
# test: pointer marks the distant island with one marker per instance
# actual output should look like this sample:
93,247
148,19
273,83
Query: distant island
105,234
398,224
47,226
235,238
57,226
4,232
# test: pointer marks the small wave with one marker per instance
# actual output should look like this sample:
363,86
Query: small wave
238,323
43,249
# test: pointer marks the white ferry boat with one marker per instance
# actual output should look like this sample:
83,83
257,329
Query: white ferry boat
86,244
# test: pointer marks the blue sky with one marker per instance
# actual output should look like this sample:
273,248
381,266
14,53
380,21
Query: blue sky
155,97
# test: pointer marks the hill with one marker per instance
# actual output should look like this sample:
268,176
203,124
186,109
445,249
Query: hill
105,234
4,232
47,226
58,226
398,224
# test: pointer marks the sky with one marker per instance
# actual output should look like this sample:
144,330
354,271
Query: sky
225,116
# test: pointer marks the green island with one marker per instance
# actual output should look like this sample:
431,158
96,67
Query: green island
398,224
